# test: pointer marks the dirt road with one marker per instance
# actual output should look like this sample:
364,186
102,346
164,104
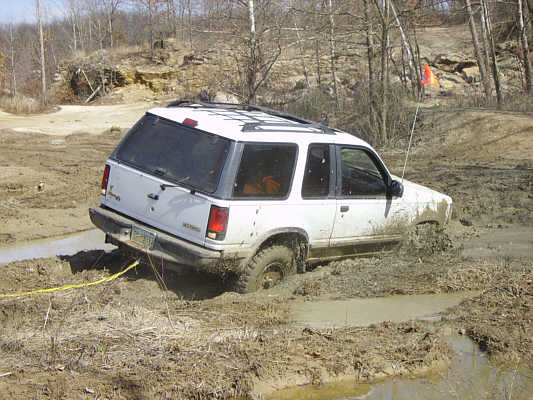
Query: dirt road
164,335
74,119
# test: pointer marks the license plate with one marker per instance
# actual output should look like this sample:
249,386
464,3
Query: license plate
142,237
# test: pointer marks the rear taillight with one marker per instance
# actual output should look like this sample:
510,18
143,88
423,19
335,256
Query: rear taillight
190,122
218,222
105,179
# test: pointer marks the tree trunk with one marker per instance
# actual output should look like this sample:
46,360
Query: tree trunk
370,57
13,72
481,65
485,38
384,71
110,23
495,68
252,64
189,7
524,23
332,53
412,73
318,71
41,45
151,21
300,46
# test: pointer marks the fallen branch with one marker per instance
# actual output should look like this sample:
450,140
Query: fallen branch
93,94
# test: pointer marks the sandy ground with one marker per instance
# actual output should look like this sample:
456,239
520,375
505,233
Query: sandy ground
74,119
156,334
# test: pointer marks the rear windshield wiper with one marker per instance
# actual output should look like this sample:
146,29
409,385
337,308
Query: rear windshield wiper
163,186
160,171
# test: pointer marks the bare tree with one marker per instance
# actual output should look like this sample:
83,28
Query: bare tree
252,65
332,53
41,45
480,62
152,8
383,10
495,68
110,8
370,56
258,62
407,47
523,14
13,71
300,44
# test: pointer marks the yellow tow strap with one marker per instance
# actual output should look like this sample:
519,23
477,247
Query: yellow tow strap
109,278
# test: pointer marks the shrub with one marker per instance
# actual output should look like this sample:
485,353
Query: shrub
20,105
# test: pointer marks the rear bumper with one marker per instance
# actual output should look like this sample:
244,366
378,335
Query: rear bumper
166,247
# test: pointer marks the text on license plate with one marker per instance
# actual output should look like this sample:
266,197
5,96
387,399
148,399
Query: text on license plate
142,237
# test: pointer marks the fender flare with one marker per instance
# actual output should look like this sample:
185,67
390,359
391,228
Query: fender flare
271,233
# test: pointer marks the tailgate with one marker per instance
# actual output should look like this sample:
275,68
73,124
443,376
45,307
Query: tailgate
173,210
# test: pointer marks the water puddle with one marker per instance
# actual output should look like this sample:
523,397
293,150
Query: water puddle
469,377
364,312
64,246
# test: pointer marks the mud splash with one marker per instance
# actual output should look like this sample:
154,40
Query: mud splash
364,312
64,246
470,376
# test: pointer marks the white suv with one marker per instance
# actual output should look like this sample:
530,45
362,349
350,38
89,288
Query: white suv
246,189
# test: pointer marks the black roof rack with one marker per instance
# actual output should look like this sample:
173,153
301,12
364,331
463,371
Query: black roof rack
257,125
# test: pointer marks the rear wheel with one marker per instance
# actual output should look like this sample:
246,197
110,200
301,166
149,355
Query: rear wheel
266,269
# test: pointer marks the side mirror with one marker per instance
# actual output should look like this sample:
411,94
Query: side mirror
396,189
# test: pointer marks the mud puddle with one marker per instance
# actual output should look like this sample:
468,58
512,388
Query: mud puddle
511,242
470,376
367,311
64,246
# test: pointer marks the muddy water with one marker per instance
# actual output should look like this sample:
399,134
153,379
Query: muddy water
363,312
64,246
469,377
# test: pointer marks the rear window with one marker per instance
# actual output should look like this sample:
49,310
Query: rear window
265,171
175,153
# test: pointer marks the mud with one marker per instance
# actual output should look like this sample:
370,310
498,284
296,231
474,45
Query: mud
156,334
470,376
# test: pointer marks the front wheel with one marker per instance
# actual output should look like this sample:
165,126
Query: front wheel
267,268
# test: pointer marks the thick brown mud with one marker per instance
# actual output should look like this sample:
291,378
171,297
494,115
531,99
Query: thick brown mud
155,334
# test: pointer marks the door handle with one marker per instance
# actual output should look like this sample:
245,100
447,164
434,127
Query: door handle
153,196
345,208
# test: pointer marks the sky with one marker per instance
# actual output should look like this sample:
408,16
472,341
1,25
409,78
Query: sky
17,11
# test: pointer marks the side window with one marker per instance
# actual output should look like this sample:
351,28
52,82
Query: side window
265,171
317,172
360,174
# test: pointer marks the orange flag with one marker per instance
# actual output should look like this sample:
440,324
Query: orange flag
429,77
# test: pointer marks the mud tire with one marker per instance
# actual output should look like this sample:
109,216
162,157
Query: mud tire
267,268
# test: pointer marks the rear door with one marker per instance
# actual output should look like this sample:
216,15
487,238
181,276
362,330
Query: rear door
162,174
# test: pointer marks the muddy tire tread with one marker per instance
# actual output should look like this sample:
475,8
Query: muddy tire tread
247,281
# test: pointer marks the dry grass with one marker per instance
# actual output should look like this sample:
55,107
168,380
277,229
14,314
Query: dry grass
130,338
500,318
21,105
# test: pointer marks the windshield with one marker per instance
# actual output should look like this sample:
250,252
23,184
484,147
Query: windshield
176,153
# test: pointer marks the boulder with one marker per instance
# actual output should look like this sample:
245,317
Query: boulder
453,62
222,97
471,74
